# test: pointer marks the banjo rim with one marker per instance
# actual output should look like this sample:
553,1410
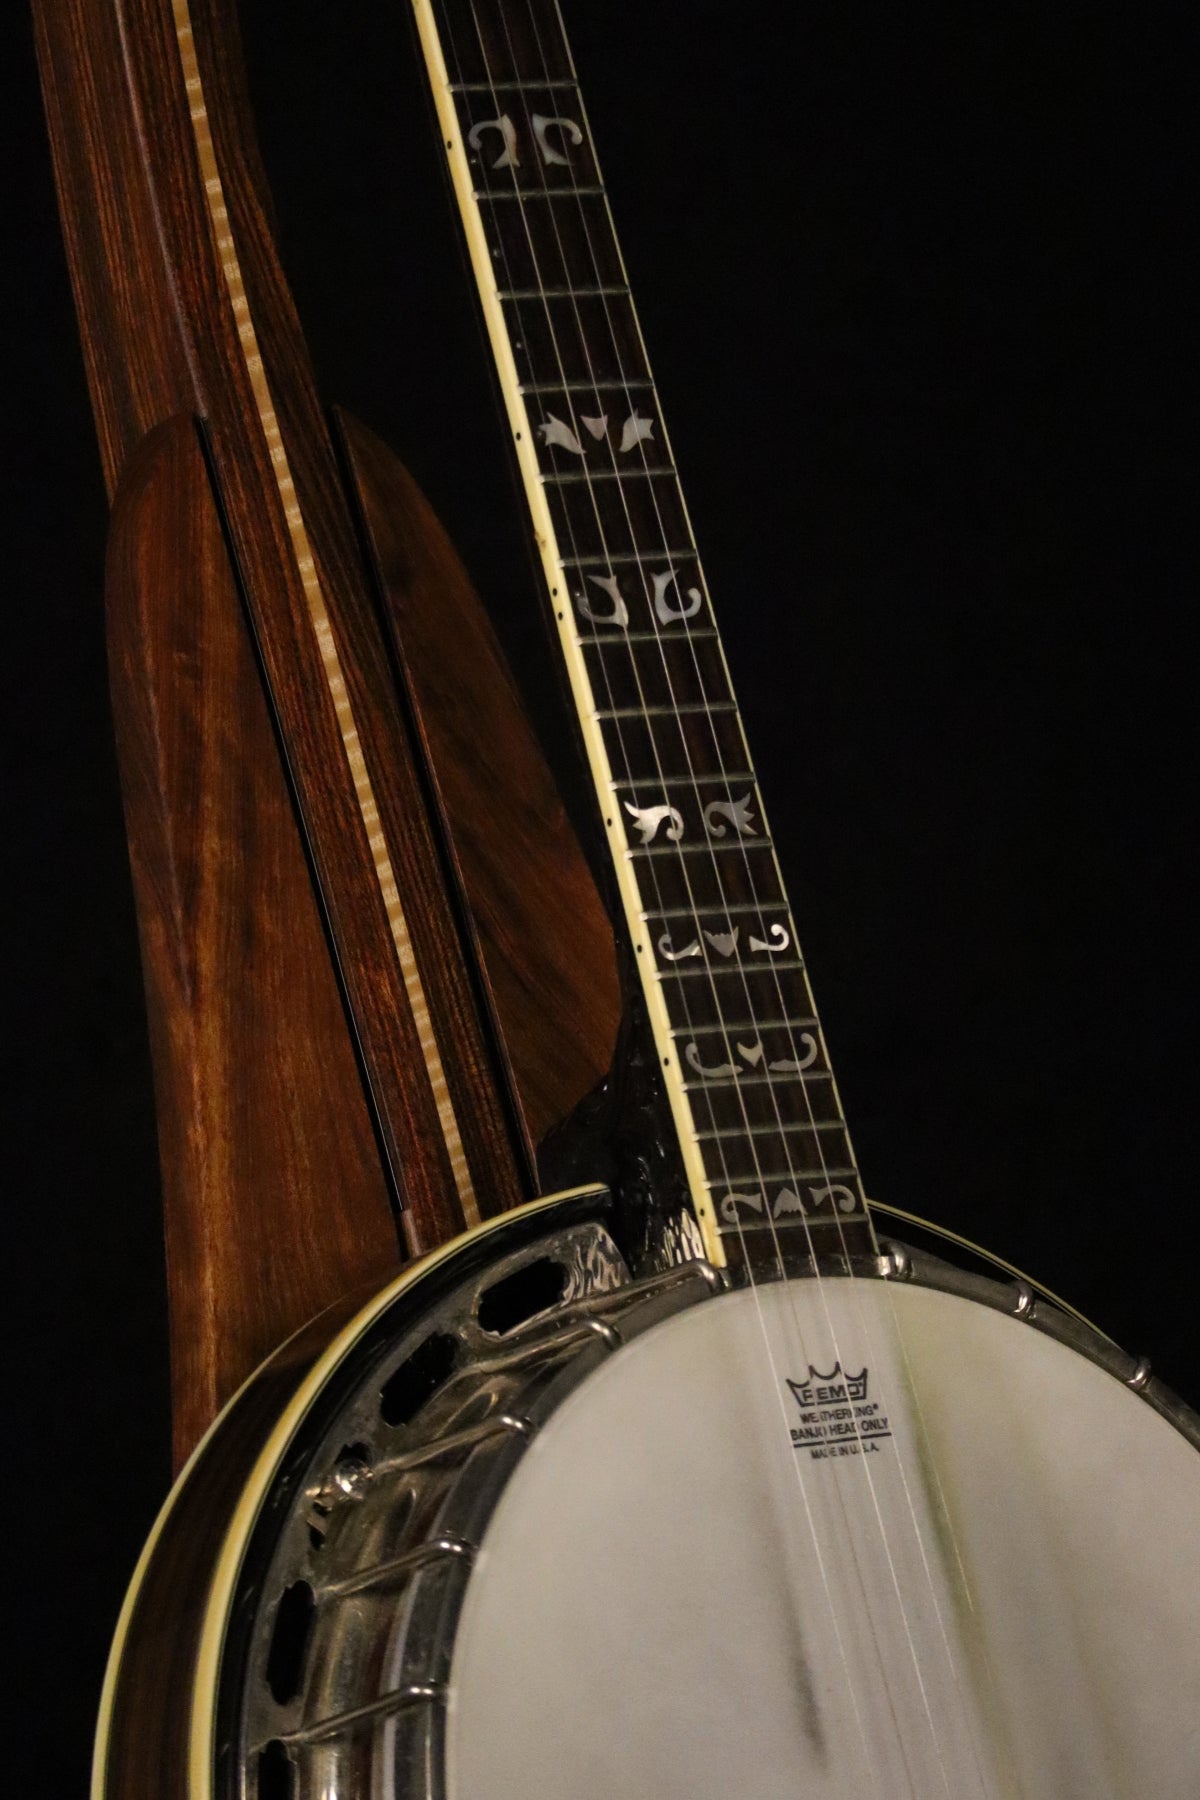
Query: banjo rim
520,1228
235,1534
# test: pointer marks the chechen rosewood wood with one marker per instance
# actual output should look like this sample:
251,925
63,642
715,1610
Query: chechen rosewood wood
330,1127
185,308
243,1008
544,942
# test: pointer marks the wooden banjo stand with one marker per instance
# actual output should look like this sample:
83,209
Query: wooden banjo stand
468,1126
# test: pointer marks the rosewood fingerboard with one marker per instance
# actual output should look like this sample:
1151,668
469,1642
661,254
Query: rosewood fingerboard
760,1124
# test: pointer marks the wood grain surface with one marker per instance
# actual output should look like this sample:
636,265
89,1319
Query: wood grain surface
163,332
264,737
543,938
274,1199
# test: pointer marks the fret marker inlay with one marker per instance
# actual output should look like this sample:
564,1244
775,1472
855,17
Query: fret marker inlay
698,880
555,431
541,126
509,157
635,430
666,613
736,811
619,616
649,818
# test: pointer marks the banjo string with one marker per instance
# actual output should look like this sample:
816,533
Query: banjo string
599,525
782,1009
777,1383
623,383
623,748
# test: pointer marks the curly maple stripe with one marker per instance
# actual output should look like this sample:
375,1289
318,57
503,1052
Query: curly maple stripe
318,612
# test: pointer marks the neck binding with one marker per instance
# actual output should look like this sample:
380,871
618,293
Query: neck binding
768,1156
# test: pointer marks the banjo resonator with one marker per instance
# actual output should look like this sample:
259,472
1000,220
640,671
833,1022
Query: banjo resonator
684,1491
534,1526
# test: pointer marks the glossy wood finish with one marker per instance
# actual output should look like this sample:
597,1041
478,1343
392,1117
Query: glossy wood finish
165,1662
278,1165
543,938
152,267
274,1199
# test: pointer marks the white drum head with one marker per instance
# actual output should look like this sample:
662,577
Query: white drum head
838,1541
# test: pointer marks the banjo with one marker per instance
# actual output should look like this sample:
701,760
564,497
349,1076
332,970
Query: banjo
681,1481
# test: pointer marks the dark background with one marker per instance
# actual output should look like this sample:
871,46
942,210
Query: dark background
916,298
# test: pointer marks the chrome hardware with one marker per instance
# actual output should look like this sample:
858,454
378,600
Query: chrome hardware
1025,1300
350,1475
386,1521
381,1535
337,1724
895,1263
606,1332
385,1574
347,1480
451,1444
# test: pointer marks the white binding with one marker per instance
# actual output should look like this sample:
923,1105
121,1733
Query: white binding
548,549
254,1492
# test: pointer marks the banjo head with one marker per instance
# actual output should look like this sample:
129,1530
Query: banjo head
854,1539
847,1538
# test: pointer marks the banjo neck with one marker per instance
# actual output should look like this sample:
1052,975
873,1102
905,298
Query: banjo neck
764,1142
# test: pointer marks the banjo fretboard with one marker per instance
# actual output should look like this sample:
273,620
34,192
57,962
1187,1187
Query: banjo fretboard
753,1096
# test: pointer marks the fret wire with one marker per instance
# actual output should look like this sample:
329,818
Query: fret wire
684,1031
623,384
535,193
628,556
716,911
818,1174
584,387
823,1175
507,87
692,911
734,1131
706,849
752,1228
665,712
745,1081
729,969
538,272
561,293
735,779
572,477
733,968
646,638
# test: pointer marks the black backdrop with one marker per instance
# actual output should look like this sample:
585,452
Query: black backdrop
915,298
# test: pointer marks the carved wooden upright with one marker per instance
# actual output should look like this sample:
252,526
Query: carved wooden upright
299,1125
